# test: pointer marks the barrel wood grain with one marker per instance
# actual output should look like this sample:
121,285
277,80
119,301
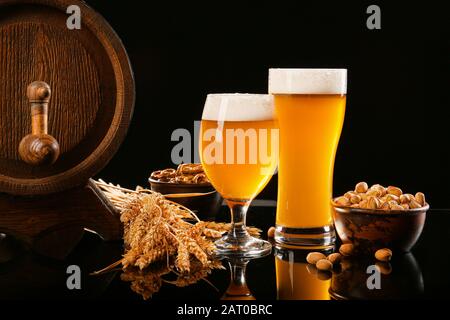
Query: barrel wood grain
92,92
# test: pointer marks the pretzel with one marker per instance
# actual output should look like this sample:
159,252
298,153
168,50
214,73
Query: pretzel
189,168
163,175
200,178
186,173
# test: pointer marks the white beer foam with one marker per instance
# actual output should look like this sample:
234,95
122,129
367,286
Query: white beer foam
238,107
308,81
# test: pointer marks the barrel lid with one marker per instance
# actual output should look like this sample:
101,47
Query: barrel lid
92,92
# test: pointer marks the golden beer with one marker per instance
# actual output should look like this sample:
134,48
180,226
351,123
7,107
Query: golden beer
311,129
310,107
239,151
234,179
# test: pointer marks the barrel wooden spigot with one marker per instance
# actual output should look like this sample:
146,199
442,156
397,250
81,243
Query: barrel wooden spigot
39,148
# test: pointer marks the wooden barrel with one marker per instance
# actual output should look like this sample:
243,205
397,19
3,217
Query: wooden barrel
86,108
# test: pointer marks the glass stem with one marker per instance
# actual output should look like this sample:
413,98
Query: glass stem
238,289
237,270
238,217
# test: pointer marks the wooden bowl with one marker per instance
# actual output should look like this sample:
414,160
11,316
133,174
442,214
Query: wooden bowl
201,198
372,229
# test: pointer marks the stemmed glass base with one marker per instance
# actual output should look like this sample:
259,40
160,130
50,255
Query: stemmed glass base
238,242
244,247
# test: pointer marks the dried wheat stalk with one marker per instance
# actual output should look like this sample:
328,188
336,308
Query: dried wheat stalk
158,241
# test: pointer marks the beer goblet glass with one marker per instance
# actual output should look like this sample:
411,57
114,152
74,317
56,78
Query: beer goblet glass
310,109
239,151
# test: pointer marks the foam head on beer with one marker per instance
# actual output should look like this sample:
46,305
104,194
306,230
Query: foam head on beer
238,107
308,81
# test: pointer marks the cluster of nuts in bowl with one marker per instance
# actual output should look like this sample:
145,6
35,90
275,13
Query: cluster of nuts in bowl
379,197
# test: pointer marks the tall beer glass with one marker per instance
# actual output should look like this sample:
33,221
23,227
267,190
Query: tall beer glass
238,151
310,107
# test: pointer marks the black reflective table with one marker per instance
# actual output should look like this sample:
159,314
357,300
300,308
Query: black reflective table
419,274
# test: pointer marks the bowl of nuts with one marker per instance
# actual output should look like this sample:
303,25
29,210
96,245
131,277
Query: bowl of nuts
188,186
379,217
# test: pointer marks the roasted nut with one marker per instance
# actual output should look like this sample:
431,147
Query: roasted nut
271,232
355,199
392,197
394,190
349,194
313,257
384,254
383,267
392,202
405,206
380,188
342,201
403,199
324,265
372,203
413,204
393,205
363,204
361,187
334,258
373,193
363,196
420,198
396,207
346,249
385,206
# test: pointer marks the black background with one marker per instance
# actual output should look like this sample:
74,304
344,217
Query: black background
396,127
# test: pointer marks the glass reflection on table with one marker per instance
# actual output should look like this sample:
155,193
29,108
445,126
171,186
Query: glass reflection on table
399,279
238,288
296,279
